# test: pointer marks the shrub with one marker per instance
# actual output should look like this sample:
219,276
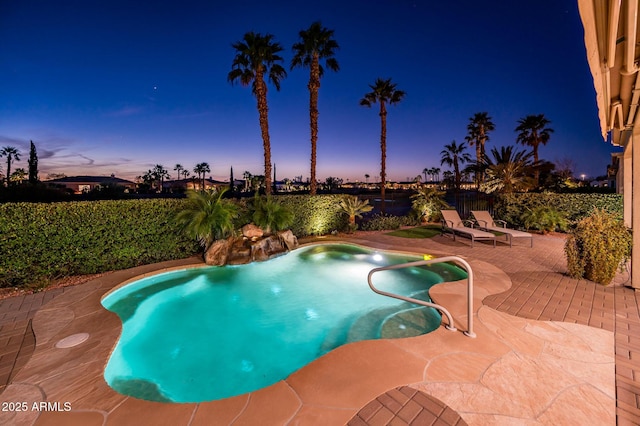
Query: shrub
270,214
510,207
382,222
545,219
207,216
427,202
597,247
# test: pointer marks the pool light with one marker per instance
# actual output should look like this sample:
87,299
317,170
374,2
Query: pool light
377,257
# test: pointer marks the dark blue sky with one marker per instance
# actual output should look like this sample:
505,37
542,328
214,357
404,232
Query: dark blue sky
107,87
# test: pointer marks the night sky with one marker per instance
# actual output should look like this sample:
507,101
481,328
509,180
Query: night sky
106,87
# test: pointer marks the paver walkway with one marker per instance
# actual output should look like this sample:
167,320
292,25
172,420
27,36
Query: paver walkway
541,290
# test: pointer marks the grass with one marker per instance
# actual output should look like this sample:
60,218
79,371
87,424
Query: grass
426,231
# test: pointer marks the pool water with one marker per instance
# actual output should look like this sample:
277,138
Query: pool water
214,332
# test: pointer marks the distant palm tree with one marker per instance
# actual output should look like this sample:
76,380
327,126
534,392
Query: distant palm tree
425,172
454,155
479,126
436,173
257,56
12,154
178,168
316,44
366,177
508,171
18,175
159,173
533,131
201,169
383,92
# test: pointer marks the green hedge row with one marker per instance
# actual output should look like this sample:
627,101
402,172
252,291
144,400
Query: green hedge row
510,207
315,214
41,241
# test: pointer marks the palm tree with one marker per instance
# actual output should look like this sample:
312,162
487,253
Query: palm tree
533,131
436,173
383,92
508,171
207,216
316,44
178,168
18,175
479,126
12,154
270,214
426,172
352,206
159,174
201,169
366,177
454,155
257,56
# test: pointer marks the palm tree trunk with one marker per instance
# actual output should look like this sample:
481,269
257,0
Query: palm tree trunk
537,171
8,169
314,85
383,149
263,111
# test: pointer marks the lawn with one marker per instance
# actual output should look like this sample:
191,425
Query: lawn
426,231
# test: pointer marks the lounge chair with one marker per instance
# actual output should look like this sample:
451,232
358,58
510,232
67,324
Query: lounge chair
486,222
451,222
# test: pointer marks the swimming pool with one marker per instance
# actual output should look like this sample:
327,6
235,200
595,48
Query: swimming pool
209,333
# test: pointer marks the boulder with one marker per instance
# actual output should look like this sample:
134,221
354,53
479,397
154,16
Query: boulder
266,248
252,232
290,240
218,253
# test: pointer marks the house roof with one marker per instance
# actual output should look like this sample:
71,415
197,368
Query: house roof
611,34
102,180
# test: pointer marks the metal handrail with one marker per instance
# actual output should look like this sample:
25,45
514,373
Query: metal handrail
456,259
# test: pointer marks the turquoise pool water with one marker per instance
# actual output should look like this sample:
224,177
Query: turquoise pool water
209,333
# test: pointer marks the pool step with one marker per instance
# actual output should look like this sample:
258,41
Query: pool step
369,326
410,322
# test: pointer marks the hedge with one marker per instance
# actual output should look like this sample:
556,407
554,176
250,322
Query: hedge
510,207
40,242
315,214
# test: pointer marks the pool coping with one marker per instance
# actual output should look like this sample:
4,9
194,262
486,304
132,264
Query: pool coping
329,390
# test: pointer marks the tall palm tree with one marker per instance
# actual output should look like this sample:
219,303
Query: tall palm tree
426,172
383,92
201,169
479,126
316,44
508,171
12,154
533,131
257,57
454,155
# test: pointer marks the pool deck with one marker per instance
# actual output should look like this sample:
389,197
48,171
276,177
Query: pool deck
549,350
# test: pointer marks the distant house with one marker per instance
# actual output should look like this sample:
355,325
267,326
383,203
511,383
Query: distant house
193,183
84,184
